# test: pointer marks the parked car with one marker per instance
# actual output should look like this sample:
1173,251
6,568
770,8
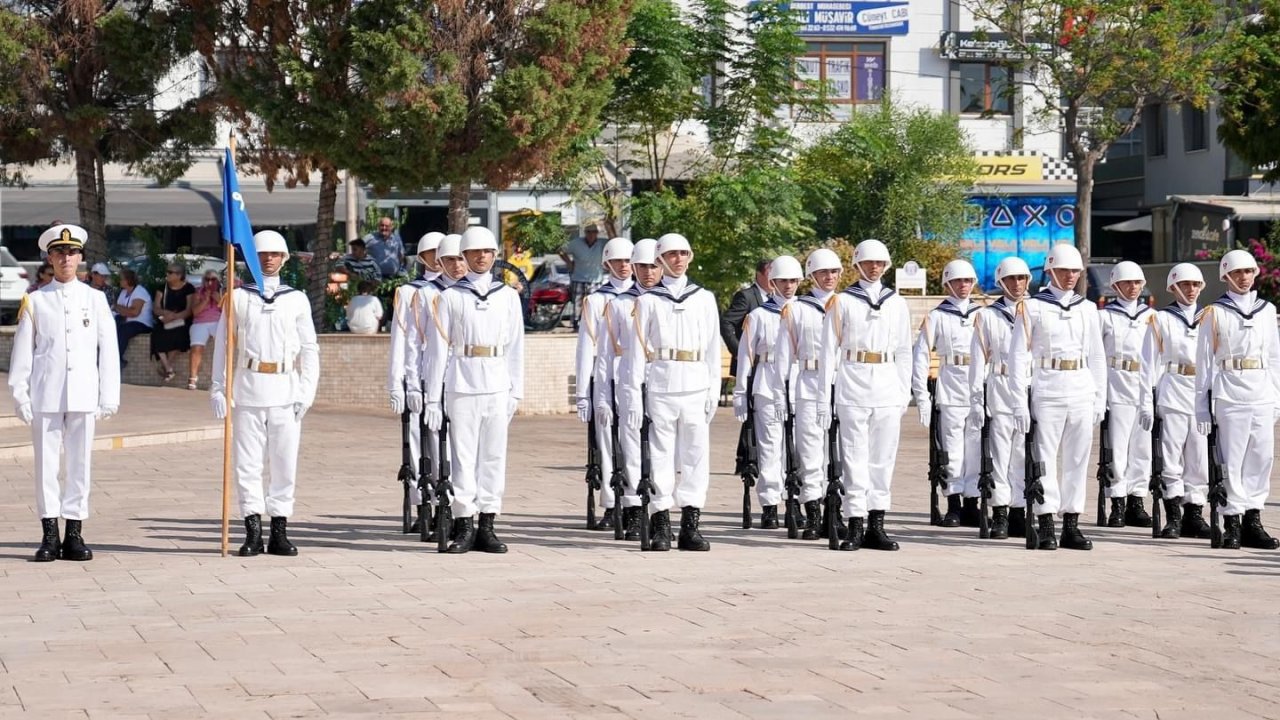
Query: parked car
13,285
197,266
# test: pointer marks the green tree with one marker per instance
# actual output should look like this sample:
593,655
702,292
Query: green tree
1106,60
81,80
1250,92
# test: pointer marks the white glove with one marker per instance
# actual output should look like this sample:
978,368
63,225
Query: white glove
905,408
432,416
710,408
1022,422
413,401
977,416
106,411
780,413
512,404
924,408
299,410
24,413
397,402
219,403
1098,416
584,410
740,408
824,418
1204,428
635,419
1146,419
604,416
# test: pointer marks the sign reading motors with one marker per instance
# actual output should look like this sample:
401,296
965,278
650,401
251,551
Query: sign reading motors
851,18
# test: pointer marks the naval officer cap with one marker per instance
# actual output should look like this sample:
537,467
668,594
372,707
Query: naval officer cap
63,236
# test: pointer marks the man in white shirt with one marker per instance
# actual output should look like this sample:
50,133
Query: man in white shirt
364,312
64,373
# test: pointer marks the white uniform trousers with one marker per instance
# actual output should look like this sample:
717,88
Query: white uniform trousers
1246,440
1063,425
629,439
269,433
868,451
679,442
1131,453
52,435
963,445
478,441
1186,454
769,441
1008,461
811,450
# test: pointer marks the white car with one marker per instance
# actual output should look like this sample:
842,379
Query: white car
13,285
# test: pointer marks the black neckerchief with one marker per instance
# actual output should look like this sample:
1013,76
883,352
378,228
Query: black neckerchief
281,289
1115,307
814,303
662,291
1226,302
1174,310
1001,306
946,306
466,284
1048,297
857,291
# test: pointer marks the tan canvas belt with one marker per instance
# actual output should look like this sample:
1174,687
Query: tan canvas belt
868,357
1242,364
1062,363
1124,364
1189,370
482,351
677,355
953,360
262,366
809,364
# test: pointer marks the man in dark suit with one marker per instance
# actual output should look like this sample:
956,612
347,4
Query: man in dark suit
744,301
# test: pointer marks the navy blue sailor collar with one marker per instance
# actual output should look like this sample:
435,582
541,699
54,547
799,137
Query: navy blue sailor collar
949,307
1116,307
857,291
1176,311
1047,296
1226,302
281,289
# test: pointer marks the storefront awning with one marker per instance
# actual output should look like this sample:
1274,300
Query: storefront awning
1138,224
1244,209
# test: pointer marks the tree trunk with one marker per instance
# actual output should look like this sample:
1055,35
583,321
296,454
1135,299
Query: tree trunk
91,201
318,272
1084,213
459,206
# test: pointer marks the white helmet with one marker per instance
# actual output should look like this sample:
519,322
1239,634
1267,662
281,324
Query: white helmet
1012,266
958,270
645,252
478,237
1127,270
822,259
1063,257
870,251
429,242
785,267
450,246
672,241
1183,272
270,241
1235,260
618,248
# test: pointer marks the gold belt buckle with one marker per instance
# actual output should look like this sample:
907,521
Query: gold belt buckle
1068,364
268,367
870,357
686,355
480,351
810,364
1250,364
1187,370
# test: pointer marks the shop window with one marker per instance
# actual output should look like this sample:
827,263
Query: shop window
985,89
852,73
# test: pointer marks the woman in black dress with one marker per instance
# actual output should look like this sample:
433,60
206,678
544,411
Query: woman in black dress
173,312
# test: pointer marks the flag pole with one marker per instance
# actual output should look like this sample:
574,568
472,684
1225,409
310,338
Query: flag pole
229,308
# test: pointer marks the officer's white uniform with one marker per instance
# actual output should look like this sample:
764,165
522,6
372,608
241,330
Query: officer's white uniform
948,332
1169,364
64,370
1124,328
757,355
989,379
799,356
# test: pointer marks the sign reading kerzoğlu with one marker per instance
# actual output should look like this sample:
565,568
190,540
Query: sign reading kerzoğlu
851,18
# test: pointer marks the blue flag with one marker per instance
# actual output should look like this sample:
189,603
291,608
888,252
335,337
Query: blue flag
235,222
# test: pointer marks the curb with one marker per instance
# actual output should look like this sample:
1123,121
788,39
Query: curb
119,442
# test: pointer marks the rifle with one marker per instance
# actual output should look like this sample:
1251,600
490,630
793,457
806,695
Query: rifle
425,478
835,488
986,482
792,481
1033,489
1157,466
1106,468
405,476
748,461
618,478
938,457
1217,482
645,488
444,488
595,476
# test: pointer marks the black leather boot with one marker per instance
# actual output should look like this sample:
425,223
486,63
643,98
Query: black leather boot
1116,518
1193,522
952,518
1000,522
1230,532
768,517
690,538
1135,515
252,536
50,545
631,523
464,536
1072,538
1253,535
660,531
876,538
855,535
73,547
486,539
971,513
1048,535
279,543
1017,522
812,516
605,521
1173,519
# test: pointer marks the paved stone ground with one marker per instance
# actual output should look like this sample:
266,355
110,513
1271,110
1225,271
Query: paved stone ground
569,624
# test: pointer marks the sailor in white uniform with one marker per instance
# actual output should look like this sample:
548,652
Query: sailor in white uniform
64,373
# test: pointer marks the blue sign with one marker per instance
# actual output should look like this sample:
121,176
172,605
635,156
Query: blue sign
1023,225
851,18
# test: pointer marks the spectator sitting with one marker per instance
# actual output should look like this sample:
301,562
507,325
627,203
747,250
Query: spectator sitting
386,248
44,276
133,311
206,309
173,309
358,262
364,312
100,279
